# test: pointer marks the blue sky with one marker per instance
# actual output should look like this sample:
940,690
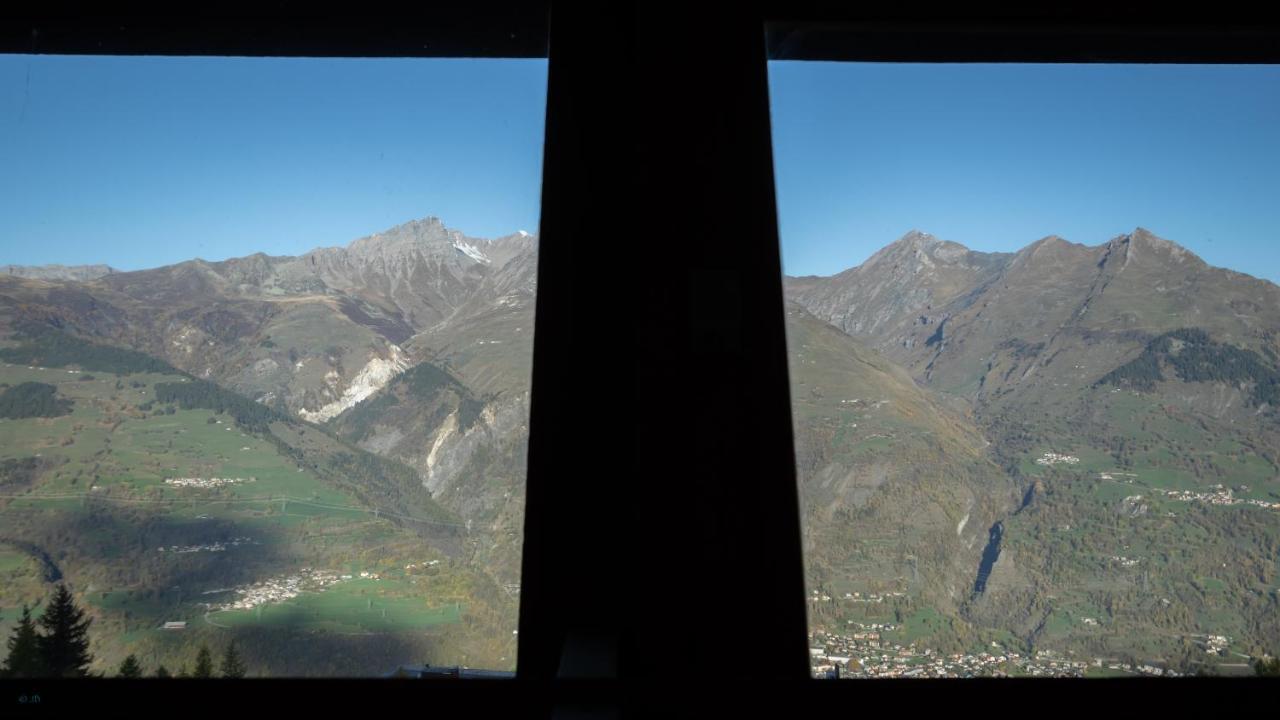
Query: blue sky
998,156
140,162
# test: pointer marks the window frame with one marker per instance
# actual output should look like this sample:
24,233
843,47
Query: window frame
694,181
825,32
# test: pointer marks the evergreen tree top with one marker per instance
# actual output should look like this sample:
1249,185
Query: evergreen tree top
204,663
232,666
64,647
24,652
130,668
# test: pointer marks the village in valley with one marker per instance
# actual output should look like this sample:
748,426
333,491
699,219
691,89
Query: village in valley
280,589
866,654
208,547
287,587
1219,495
207,483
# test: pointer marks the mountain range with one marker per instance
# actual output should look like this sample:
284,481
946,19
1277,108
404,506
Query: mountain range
1127,393
933,387
419,312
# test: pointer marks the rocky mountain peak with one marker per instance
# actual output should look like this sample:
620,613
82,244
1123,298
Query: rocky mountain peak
1144,244
415,234
1051,253
909,245
916,237
503,249
1146,238
918,251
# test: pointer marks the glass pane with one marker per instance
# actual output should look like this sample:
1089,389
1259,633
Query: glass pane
266,333
1034,337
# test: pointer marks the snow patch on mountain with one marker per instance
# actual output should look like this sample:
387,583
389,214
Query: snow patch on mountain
371,378
470,251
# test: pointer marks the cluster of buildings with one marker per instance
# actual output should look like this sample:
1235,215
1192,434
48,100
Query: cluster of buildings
1142,669
36,367
207,547
871,597
424,564
279,589
818,596
859,401
1125,561
865,652
212,482
1148,670
288,587
871,628
1218,495
1133,506
1053,458
1217,644
867,655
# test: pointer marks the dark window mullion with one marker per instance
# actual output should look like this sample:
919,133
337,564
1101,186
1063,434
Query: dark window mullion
662,525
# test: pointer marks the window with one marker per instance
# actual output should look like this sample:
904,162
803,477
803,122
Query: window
1039,441
662,545
268,328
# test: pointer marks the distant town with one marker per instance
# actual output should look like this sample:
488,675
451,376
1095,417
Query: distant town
207,483
1219,496
865,654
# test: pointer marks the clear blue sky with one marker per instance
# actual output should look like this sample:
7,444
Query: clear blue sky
998,156
140,162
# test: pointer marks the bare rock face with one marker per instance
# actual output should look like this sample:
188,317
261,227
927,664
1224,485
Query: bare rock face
346,393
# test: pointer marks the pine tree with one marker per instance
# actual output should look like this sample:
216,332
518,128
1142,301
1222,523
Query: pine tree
162,672
232,665
24,650
64,647
130,668
204,664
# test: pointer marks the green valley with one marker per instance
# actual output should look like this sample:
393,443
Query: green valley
162,496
